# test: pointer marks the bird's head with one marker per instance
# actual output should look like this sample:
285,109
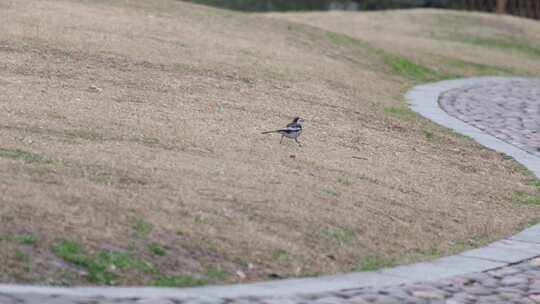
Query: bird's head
298,120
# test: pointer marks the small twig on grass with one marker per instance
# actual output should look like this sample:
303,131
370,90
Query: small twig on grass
358,157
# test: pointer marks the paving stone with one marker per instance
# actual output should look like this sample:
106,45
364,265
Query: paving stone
519,290
531,247
462,298
370,296
4,299
535,262
505,255
423,271
349,293
535,297
330,300
467,264
278,301
357,300
514,280
452,289
478,290
385,300
432,295
214,301
510,297
491,299
154,301
472,278
395,291
502,272
38,298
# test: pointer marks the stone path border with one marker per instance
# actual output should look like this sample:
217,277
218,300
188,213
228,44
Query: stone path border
424,100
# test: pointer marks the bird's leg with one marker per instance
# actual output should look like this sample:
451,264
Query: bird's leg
296,140
281,139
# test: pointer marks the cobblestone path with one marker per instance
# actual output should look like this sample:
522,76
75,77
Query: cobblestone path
508,110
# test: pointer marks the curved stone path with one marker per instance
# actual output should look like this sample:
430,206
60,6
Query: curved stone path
508,110
507,271
498,112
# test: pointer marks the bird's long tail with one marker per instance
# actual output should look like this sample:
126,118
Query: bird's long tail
275,131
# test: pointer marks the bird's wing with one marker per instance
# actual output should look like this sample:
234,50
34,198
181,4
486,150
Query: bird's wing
290,129
294,125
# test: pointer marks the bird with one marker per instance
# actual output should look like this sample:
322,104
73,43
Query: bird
292,130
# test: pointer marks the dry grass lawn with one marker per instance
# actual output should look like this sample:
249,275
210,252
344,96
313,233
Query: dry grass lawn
131,153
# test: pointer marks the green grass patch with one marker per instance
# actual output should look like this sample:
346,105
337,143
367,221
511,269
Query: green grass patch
99,267
142,227
123,260
308,33
506,156
103,178
429,135
408,69
345,181
200,219
527,199
534,182
70,252
399,112
478,68
310,274
280,255
330,192
212,245
179,281
217,275
373,262
515,45
25,156
157,249
22,256
83,134
431,251
341,39
149,141
337,235
531,222
26,239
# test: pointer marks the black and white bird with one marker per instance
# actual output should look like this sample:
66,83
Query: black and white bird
292,130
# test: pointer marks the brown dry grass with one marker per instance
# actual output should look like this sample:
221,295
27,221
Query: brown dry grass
168,150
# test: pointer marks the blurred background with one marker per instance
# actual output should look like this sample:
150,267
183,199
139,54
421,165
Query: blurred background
523,8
